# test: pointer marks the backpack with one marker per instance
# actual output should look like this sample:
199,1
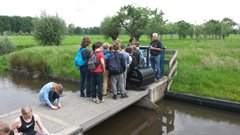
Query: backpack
79,59
93,61
134,62
115,65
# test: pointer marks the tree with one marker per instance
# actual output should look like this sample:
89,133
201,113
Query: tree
227,26
156,23
133,19
212,28
171,29
198,30
49,30
78,30
4,24
71,28
183,29
110,27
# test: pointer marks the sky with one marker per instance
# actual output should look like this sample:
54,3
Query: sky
90,13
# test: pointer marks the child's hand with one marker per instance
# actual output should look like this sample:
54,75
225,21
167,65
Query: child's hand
54,107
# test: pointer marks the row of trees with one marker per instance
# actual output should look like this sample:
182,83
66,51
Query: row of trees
24,25
134,21
16,24
138,21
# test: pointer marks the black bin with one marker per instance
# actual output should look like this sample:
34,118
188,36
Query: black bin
140,77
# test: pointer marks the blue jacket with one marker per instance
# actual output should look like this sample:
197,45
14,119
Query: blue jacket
44,93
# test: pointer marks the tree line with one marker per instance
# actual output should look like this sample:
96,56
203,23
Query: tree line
138,21
135,21
17,25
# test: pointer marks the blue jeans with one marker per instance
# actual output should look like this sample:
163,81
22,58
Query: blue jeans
85,75
155,63
97,81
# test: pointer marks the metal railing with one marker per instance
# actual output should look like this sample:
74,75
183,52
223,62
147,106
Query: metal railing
171,64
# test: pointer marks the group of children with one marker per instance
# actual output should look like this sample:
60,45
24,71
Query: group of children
104,77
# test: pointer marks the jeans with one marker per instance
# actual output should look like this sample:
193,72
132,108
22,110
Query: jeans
155,63
97,81
85,75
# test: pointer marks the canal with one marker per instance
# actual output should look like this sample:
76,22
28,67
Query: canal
172,117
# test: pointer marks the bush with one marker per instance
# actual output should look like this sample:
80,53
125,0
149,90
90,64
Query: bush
6,45
49,30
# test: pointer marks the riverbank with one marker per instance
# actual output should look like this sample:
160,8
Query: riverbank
206,68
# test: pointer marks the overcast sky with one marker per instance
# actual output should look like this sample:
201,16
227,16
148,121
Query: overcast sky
90,13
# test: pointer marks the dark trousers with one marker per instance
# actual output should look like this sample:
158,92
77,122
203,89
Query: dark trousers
85,75
53,96
97,81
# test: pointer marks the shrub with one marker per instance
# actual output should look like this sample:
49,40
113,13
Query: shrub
49,30
6,45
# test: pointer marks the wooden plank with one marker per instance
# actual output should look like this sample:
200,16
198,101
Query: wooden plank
174,58
172,70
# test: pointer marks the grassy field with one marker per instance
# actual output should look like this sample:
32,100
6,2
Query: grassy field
206,68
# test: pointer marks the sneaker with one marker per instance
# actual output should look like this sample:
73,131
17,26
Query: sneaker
101,101
94,100
114,97
97,101
124,95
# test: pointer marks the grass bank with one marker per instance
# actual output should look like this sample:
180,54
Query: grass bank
206,68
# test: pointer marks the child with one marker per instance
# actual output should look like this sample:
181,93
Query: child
49,93
4,129
105,74
26,122
97,74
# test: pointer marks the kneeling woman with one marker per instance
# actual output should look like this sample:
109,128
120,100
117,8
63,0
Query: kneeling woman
26,122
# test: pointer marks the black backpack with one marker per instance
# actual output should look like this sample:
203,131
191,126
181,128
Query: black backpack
116,63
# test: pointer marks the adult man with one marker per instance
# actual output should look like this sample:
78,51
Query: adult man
155,48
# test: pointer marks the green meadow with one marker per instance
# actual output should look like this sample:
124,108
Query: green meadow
208,68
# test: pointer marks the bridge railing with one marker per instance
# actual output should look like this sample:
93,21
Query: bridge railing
172,66
170,62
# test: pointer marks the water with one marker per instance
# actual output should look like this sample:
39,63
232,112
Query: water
173,118
17,91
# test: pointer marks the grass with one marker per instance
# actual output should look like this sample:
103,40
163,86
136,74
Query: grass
207,68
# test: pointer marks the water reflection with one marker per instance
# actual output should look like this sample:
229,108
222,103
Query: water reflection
174,118
137,121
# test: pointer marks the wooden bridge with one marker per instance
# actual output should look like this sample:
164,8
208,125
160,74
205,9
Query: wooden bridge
78,115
